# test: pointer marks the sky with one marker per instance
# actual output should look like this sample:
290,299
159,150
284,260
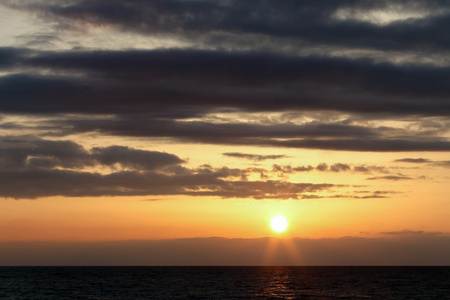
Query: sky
170,132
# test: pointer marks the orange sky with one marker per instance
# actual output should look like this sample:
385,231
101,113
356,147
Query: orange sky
180,124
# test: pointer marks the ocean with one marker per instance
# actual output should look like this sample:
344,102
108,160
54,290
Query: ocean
224,282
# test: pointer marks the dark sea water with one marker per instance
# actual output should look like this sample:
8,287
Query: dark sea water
224,282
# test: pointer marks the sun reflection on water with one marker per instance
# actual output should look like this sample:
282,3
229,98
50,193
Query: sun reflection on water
278,285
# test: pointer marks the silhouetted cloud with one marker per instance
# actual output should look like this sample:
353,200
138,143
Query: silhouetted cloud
18,153
256,157
391,177
413,233
340,167
133,158
29,152
422,249
303,168
31,167
35,183
336,167
442,163
413,160
445,163
322,167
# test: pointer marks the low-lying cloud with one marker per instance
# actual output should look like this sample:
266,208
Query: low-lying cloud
420,250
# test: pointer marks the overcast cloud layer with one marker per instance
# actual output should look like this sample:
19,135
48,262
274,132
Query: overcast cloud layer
366,76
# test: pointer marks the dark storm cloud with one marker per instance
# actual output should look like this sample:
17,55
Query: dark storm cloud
311,21
256,157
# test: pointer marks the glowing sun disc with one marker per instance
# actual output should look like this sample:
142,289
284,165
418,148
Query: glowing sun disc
278,223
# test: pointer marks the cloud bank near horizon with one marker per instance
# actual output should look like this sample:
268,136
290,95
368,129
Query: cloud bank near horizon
407,249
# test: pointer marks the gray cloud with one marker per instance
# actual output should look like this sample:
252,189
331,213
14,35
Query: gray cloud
256,157
31,167
445,164
381,145
153,93
21,153
10,56
391,177
183,80
35,183
308,21
413,160
442,163
322,167
413,233
133,158
150,92
30,152
303,169
340,167
417,250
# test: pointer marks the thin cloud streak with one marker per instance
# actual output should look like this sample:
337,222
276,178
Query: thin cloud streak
256,157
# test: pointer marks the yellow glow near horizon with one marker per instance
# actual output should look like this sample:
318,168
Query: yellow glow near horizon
279,223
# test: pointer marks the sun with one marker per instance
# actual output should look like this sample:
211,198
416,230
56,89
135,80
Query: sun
279,223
